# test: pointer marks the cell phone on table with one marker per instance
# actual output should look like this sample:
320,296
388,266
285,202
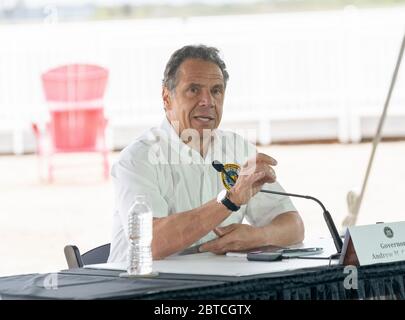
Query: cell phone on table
264,256
283,253
300,252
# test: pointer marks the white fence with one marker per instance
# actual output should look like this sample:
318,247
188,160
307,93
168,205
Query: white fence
286,70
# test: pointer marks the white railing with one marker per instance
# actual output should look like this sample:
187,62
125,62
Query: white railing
290,66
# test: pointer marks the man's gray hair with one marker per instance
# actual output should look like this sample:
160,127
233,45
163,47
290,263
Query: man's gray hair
202,52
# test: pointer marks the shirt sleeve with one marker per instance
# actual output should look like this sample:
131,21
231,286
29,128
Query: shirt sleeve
131,177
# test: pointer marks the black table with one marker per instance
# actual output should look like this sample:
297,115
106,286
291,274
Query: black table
383,281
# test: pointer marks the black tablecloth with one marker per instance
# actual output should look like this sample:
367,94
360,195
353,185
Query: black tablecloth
385,281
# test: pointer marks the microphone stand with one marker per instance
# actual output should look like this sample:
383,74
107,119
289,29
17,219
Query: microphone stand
353,199
326,215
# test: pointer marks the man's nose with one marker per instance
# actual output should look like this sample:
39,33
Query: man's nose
207,100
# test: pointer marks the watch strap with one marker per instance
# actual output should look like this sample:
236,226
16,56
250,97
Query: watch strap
229,204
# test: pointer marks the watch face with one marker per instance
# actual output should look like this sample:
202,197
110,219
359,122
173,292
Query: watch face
221,195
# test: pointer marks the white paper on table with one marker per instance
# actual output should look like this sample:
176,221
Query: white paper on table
210,264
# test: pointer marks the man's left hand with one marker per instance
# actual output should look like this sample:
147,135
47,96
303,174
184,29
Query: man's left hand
235,237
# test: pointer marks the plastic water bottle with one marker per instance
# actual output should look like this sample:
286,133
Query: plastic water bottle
140,237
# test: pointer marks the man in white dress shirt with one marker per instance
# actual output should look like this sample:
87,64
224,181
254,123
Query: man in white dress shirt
192,203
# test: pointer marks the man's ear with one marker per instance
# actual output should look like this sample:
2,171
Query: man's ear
166,98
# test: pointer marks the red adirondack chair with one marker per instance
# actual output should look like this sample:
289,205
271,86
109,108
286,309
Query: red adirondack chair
76,111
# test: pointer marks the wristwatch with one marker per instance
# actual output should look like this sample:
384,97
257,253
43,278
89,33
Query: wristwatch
223,198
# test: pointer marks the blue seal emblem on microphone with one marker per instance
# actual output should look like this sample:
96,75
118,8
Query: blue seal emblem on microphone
229,179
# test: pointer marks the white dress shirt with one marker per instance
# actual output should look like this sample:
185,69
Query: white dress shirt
175,178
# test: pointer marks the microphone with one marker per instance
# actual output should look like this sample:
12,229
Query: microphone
326,215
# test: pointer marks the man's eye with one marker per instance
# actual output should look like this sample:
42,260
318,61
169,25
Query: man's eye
217,91
194,89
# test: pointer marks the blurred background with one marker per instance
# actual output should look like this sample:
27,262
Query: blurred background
79,80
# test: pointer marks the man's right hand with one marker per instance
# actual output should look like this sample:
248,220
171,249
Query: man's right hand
254,173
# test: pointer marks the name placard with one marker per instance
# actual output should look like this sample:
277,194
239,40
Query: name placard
372,244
